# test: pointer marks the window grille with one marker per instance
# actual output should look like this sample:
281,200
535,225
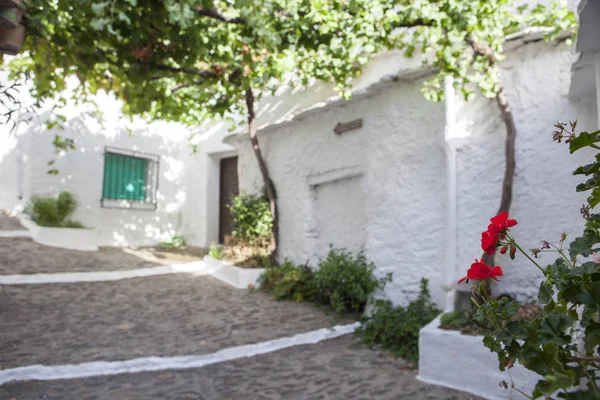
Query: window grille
130,179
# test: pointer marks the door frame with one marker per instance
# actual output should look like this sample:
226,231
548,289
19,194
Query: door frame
220,233
212,194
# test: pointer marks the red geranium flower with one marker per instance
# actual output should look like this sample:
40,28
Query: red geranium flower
480,271
496,232
489,240
501,222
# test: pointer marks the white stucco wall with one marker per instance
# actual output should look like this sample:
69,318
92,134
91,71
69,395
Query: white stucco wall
537,79
81,170
380,187
407,192
189,184
400,155
296,152
10,170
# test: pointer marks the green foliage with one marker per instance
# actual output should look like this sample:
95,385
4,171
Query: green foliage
289,282
456,318
53,212
215,251
175,243
187,53
465,39
251,216
396,329
72,224
257,260
570,292
342,281
60,144
346,281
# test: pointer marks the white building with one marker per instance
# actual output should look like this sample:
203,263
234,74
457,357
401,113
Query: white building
413,186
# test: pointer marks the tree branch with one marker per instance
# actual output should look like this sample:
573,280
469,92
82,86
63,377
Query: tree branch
585,359
160,67
482,51
185,85
509,141
414,24
214,14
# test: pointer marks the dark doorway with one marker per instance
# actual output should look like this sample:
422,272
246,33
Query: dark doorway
228,190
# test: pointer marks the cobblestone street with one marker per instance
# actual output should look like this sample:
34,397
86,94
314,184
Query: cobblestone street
8,223
24,256
172,315
334,369
167,315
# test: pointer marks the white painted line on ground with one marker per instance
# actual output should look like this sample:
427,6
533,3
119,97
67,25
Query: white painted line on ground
15,234
198,267
145,364
237,277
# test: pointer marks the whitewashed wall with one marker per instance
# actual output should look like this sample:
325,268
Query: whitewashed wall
400,158
81,171
10,171
407,191
380,188
297,152
188,184
537,78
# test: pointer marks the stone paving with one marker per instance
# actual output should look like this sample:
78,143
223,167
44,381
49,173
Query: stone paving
168,315
8,223
24,256
333,369
177,314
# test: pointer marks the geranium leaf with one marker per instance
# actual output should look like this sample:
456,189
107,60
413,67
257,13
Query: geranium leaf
553,327
584,139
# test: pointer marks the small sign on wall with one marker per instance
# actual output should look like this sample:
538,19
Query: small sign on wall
342,127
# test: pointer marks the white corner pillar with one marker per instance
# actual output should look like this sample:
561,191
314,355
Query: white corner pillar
450,258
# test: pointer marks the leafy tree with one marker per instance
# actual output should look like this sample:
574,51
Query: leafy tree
191,60
464,40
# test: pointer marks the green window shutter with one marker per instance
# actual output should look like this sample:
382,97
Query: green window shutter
124,177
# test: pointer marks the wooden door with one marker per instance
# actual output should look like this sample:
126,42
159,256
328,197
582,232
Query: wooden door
228,190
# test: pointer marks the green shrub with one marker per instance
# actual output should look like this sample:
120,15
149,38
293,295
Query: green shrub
345,282
53,212
175,243
396,329
457,318
251,216
256,260
289,282
215,251
65,205
72,224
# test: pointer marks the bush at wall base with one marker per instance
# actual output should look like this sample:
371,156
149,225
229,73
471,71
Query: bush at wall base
396,329
343,281
52,211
